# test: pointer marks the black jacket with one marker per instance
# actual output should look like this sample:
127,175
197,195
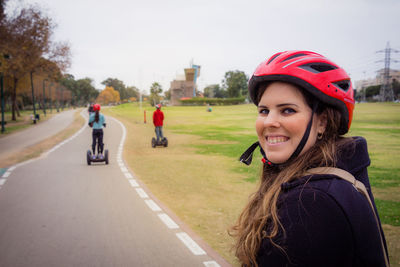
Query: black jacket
327,221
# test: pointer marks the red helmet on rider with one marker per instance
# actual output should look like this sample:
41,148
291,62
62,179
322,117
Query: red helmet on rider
96,107
313,72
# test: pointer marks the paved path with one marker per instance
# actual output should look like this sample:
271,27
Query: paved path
18,141
58,211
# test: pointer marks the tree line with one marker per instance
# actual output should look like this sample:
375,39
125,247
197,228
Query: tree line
371,93
29,57
33,66
233,85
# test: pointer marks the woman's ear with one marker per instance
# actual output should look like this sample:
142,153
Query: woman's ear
322,121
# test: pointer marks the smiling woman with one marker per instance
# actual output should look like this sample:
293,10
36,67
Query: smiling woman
304,213
282,121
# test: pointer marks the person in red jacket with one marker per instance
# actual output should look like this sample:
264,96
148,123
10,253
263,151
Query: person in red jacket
158,118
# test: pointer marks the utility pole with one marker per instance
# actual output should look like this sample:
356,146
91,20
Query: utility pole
51,106
62,98
33,99
364,89
44,98
3,129
386,91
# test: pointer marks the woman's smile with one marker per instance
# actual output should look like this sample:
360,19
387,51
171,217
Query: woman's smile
276,140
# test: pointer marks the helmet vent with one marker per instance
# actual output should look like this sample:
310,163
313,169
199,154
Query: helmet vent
294,56
272,58
318,67
344,85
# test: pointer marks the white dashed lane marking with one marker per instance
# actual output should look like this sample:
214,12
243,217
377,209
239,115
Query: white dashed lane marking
211,264
190,244
133,183
128,175
168,221
152,205
11,168
141,193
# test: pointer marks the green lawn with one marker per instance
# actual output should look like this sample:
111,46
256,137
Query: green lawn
199,178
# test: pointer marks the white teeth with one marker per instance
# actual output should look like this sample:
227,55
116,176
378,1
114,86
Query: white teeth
275,140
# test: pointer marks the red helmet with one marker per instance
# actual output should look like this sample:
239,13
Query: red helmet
313,72
158,106
96,107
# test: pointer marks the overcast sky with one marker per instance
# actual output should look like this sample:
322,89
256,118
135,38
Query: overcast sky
140,42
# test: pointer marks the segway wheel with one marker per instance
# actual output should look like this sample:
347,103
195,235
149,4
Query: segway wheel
106,156
165,142
153,142
88,157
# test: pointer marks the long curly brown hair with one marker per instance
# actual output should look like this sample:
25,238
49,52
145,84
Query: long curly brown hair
260,219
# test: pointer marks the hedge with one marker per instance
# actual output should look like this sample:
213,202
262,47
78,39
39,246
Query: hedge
199,101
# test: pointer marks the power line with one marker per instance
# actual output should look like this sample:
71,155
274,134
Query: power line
386,91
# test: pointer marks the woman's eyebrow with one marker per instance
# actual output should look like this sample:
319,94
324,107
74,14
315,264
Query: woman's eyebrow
286,104
279,105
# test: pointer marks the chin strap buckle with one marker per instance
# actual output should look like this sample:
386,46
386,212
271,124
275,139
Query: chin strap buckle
247,156
265,161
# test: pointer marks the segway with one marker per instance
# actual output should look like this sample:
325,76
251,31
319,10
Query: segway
102,158
163,142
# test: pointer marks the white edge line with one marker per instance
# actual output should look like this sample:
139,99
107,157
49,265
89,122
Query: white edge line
190,244
141,193
2,181
152,205
211,264
168,221
6,174
128,175
133,183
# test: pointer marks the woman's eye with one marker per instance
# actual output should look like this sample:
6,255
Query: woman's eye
289,111
263,111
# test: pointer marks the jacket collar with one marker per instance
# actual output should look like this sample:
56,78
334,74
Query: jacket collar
352,158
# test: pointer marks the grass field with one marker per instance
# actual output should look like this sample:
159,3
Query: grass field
199,177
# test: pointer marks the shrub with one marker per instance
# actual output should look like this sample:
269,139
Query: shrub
201,101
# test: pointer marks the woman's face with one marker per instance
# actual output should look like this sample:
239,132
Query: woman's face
283,115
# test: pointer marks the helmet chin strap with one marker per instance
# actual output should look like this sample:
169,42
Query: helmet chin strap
247,156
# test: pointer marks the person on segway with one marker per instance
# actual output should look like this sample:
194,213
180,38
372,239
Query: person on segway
158,118
97,122
90,109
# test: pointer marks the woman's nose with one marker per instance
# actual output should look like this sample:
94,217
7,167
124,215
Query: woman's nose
272,120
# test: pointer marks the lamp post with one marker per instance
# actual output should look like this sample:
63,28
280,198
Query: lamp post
33,100
44,98
51,101
58,100
3,129
62,98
